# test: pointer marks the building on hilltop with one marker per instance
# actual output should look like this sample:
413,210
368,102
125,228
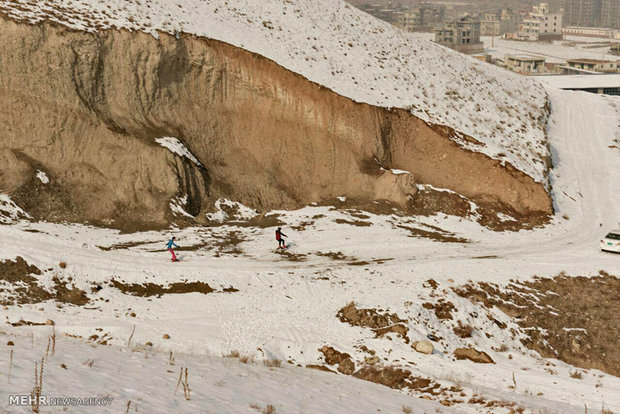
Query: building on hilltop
461,34
546,25
499,23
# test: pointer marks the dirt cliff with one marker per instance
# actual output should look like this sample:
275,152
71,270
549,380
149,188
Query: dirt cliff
86,109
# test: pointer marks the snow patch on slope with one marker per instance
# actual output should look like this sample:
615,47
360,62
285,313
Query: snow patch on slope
177,147
9,211
177,205
43,177
350,52
230,210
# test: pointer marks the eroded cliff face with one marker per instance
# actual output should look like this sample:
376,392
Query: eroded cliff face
86,109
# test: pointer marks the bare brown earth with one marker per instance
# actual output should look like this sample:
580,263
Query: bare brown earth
390,376
380,322
443,308
85,108
153,289
574,319
439,235
18,285
473,355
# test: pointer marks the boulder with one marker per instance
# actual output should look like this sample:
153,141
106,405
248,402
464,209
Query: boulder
423,346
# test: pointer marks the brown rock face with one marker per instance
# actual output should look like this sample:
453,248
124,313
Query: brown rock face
86,109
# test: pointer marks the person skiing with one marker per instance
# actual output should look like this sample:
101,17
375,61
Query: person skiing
279,238
171,244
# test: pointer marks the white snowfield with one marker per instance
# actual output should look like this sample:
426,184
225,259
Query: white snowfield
348,51
287,309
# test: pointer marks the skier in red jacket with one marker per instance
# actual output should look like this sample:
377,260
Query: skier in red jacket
279,238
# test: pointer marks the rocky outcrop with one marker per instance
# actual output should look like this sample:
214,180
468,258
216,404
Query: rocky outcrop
474,355
86,109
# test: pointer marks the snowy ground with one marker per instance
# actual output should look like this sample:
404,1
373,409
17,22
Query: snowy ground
338,46
554,52
286,304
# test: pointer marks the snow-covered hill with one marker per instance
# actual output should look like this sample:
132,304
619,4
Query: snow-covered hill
348,51
268,305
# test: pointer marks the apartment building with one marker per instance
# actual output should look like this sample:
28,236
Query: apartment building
547,25
610,13
499,23
461,34
584,13
592,13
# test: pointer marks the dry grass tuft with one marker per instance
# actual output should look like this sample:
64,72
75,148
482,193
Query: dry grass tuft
576,374
233,354
184,382
245,359
272,363
10,366
269,409
35,394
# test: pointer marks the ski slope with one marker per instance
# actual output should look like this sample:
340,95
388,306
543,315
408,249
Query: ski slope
286,309
352,53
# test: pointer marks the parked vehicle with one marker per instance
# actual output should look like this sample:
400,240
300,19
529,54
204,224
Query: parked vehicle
611,242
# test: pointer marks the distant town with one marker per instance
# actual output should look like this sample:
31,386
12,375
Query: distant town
571,37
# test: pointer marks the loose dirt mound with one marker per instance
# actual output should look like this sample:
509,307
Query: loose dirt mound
574,319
